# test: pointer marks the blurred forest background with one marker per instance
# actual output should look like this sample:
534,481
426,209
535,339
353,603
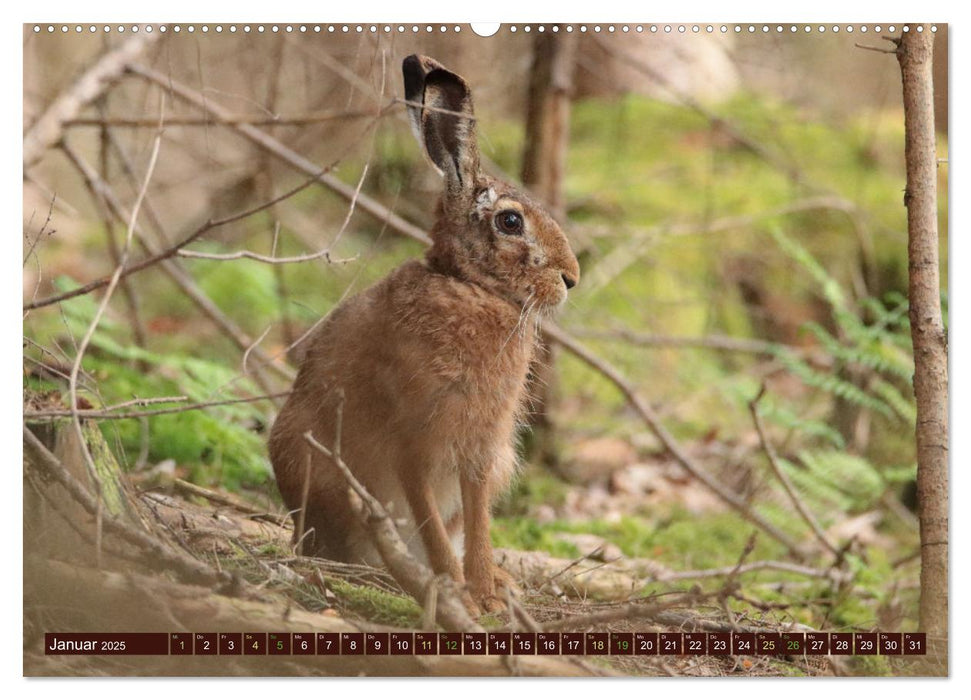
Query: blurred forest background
736,203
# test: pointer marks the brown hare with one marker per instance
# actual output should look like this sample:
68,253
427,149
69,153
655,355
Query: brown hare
428,366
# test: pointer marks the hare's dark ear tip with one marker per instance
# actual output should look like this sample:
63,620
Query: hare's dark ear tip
414,69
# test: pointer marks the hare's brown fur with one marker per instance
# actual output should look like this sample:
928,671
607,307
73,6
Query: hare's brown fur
428,366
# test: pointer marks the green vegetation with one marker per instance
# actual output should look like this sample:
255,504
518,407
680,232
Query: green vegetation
376,605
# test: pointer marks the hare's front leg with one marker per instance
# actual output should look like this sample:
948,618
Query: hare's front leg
479,565
424,508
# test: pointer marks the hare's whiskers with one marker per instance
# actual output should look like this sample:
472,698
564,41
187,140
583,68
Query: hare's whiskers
522,315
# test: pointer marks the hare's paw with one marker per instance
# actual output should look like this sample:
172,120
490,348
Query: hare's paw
470,605
491,604
503,581
483,591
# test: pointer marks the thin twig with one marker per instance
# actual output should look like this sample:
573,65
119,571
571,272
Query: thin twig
172,251
93,325
874,48
229,120
720,343
650,418
324,253
781,475
786,567
295,160
110,414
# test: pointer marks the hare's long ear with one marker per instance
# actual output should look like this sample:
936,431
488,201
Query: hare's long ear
444,123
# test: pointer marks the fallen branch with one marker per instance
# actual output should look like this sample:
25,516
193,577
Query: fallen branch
49,127
154,550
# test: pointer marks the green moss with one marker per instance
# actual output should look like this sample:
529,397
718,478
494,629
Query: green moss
376,605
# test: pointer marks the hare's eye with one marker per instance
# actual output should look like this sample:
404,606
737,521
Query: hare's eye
509,222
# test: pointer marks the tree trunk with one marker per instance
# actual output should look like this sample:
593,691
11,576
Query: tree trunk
548,119
915,53
544,166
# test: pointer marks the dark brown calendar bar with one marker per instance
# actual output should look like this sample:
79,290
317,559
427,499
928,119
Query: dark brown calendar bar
719,643
500,643
402,643
695,643
646,643
915,643
865,643
254,643
474,643
891,643
491,643
352,643
98,644
230,643
793,643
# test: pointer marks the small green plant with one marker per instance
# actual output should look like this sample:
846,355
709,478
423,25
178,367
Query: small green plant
219,444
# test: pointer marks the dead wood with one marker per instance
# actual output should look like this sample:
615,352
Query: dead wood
49,127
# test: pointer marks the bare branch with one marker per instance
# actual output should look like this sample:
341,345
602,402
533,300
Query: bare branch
168,252
229,120
649,417
766,565
110,413
295,160
48,128
783,478
325,253
874,48
92,327
154,549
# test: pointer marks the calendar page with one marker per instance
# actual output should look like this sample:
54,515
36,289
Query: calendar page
524,349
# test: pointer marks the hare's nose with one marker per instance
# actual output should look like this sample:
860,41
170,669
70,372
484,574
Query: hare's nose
568,281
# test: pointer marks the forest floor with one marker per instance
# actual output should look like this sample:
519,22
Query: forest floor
270,589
